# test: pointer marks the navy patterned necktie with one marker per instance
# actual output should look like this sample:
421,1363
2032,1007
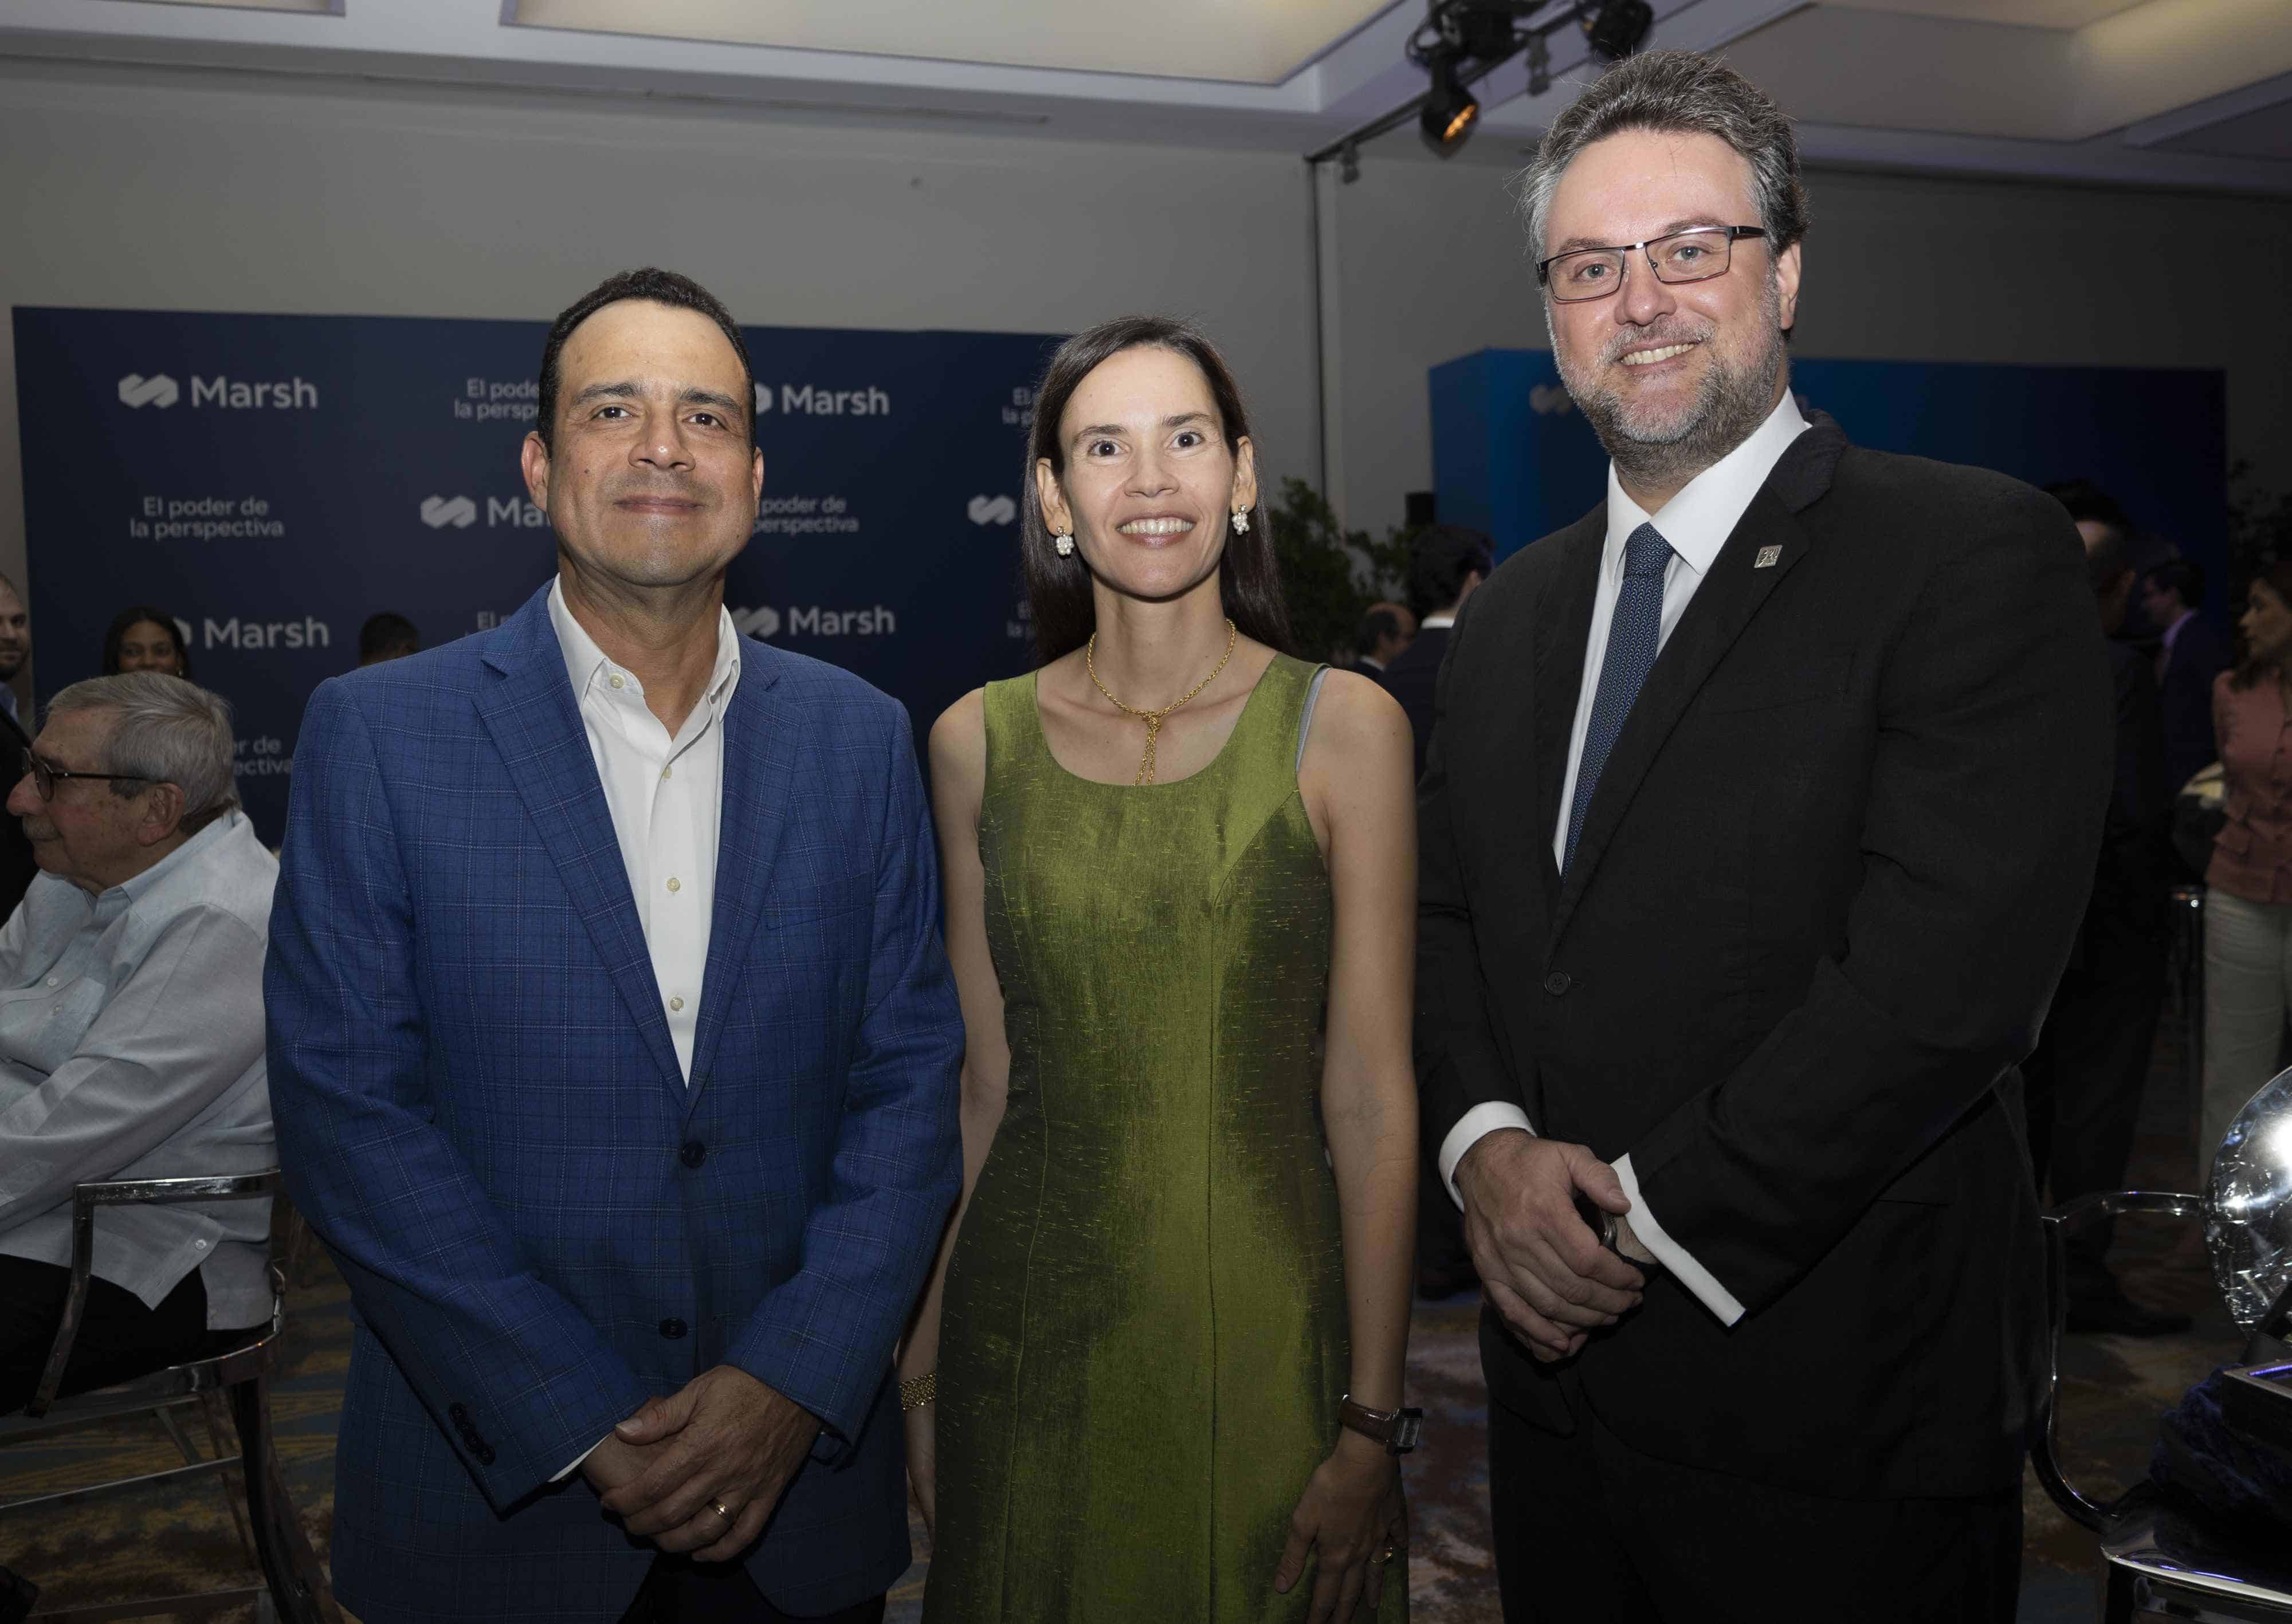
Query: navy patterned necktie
1631,638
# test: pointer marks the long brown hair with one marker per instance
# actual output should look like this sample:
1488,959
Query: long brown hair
1058,590
2249,670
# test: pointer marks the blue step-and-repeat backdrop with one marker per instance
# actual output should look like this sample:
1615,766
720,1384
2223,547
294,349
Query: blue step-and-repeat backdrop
273,480
1512,456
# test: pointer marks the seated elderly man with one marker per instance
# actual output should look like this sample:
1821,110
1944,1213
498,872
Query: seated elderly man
131,1032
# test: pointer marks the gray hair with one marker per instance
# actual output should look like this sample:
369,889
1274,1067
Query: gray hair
169,731
1681,92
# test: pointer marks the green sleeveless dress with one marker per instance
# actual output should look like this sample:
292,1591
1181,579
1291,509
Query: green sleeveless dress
1144,1336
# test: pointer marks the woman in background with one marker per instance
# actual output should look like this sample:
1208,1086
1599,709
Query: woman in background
2249,885
142,637
1182,1249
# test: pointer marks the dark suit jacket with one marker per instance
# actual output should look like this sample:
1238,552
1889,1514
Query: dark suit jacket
2185,692
18,866
1823,893
1409,679
481,1109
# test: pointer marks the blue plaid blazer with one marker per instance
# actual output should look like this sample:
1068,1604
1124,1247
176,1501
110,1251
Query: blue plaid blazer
480,1110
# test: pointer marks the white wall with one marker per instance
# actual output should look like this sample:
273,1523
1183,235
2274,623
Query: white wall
237,193
1434,266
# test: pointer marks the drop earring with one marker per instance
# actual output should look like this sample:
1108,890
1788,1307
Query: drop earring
1241,522
1064,543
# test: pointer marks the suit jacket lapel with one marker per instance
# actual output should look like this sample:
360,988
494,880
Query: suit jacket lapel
1723,606
531,716
1559,681
760,758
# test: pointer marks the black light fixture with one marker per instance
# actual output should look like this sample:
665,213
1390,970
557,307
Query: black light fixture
1449,110
1618,28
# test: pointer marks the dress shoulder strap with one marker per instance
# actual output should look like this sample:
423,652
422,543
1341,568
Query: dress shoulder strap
1305,719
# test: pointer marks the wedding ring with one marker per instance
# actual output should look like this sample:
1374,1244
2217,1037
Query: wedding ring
718,1507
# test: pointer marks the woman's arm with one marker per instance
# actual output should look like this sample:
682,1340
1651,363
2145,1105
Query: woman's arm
959,764
1358,791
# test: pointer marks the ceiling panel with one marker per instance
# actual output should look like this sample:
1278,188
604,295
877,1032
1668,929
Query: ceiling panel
1241,42
2020,14
2265,133
324,8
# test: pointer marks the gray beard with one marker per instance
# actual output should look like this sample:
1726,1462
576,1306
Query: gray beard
1730,404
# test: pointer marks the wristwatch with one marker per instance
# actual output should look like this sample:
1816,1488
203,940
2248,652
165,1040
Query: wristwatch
1398,1430
1601,1223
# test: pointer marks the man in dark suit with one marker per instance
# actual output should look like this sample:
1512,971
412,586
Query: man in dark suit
613,1051
2084,1079
1383,633
1446,562
1761,806
2188,656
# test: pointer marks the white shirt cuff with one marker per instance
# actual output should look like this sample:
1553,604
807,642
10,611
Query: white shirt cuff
578,1459
1672,1255
1471,1129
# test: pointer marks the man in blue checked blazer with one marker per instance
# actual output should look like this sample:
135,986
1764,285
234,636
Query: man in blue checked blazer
613,1052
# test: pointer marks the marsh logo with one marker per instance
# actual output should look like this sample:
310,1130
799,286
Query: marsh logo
762,625
438,511
763,398
810,620
139,391
1549,400
992,509
813,401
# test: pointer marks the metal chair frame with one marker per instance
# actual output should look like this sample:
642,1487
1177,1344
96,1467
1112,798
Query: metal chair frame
239,1378
2157,1563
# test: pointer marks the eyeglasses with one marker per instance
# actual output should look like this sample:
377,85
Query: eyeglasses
44,776
1684,256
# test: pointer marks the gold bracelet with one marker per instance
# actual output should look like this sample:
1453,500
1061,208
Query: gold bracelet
918,1391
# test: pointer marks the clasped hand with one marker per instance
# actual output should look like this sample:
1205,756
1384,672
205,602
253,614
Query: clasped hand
724,1438
1545,1270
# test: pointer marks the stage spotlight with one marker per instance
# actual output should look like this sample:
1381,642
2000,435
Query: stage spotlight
1449,110
1618,28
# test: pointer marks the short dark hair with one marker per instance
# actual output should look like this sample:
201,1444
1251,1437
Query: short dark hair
1439,558
1058,590
2105,562
1376,626
386,632
2184,578
2086,501
653,286
134,615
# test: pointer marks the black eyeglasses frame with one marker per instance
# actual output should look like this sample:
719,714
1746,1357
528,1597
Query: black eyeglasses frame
44,774
1733,234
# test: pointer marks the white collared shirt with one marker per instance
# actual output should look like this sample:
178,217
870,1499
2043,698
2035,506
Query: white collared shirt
666,798
1697,522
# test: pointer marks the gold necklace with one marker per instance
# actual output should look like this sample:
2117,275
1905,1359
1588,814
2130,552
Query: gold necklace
1152,719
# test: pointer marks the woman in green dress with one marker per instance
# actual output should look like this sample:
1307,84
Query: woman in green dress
1166,1334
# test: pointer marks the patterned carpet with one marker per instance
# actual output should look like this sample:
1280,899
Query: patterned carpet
171,1540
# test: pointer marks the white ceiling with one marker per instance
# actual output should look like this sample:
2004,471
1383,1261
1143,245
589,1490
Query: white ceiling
2158,93
1239,42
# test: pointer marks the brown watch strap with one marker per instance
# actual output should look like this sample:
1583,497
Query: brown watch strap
1396,1430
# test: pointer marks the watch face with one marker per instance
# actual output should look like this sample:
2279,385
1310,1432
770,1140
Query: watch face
1408,1427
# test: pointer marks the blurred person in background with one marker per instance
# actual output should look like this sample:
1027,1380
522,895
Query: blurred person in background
17,864
144,638
131,1035
1380,638
2190,659
2083,1082
387,636
2248,896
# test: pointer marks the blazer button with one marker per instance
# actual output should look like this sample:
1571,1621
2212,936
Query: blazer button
693,1153
1557,982
457,1415
672,1329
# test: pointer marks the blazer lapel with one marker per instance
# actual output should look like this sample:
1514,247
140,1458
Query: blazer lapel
531,716
1558,681
761,750
1738,585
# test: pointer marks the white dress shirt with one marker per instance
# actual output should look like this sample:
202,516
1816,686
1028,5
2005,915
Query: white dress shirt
1697,522
666,798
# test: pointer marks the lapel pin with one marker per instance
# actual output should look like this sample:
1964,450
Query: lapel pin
1769,556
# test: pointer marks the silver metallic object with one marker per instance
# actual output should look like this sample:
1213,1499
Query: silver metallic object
2248,1204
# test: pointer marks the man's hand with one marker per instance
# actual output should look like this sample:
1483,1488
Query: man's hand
616,1461
1545,1272
724,1438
